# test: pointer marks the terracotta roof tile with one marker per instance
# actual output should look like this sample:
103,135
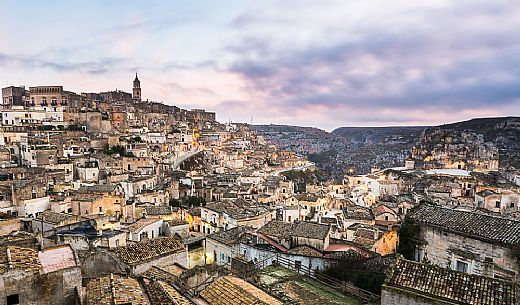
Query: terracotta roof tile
115,290
229,290
458,287
140,252
476,224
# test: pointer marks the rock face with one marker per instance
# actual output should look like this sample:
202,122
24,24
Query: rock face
483,143
446,148
487,143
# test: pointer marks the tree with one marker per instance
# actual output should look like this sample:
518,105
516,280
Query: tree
116,149
196,201
175,203
408,238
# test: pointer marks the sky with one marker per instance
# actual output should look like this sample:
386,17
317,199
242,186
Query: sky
320,63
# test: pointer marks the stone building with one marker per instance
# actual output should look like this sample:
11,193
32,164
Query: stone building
231,290
48,277
471,242
224,215
415,283
222,246
51,99
145,229
136,91
290,235
114,289
139,257
13,96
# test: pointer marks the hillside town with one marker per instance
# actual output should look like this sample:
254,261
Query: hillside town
109,198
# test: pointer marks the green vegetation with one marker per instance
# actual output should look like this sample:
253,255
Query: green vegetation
75,127
136,139
323,157
408,238
116,149
302,289
195,201
370,281
409,232
175,203
302,178
46,127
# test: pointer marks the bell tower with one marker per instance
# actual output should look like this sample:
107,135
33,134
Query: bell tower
136,92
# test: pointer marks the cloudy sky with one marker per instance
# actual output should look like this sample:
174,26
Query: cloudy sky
314,63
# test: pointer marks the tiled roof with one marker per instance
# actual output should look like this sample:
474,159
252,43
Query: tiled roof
141,223
98,188
475,224
17,258
381,209
140,252
446,284
237,210
115,290
161,293
283,230
277,229
155,273
230,236
357,213
174,295
158,210
306,197
229,290
57,258
91,197
58,218
177,222
305,251
309,229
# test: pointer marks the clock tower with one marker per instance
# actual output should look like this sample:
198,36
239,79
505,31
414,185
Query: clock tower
136,92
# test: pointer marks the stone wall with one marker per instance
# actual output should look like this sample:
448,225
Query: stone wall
168,260
444,249
393,296
9,225
55,288
97,264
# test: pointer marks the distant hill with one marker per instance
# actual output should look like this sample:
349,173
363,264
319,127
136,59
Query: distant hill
359,148
503,132
375,135
302,140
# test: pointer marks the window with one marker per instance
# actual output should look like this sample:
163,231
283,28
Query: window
297,265
13,299
461,266
100,209
497,204
512,205
419,254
